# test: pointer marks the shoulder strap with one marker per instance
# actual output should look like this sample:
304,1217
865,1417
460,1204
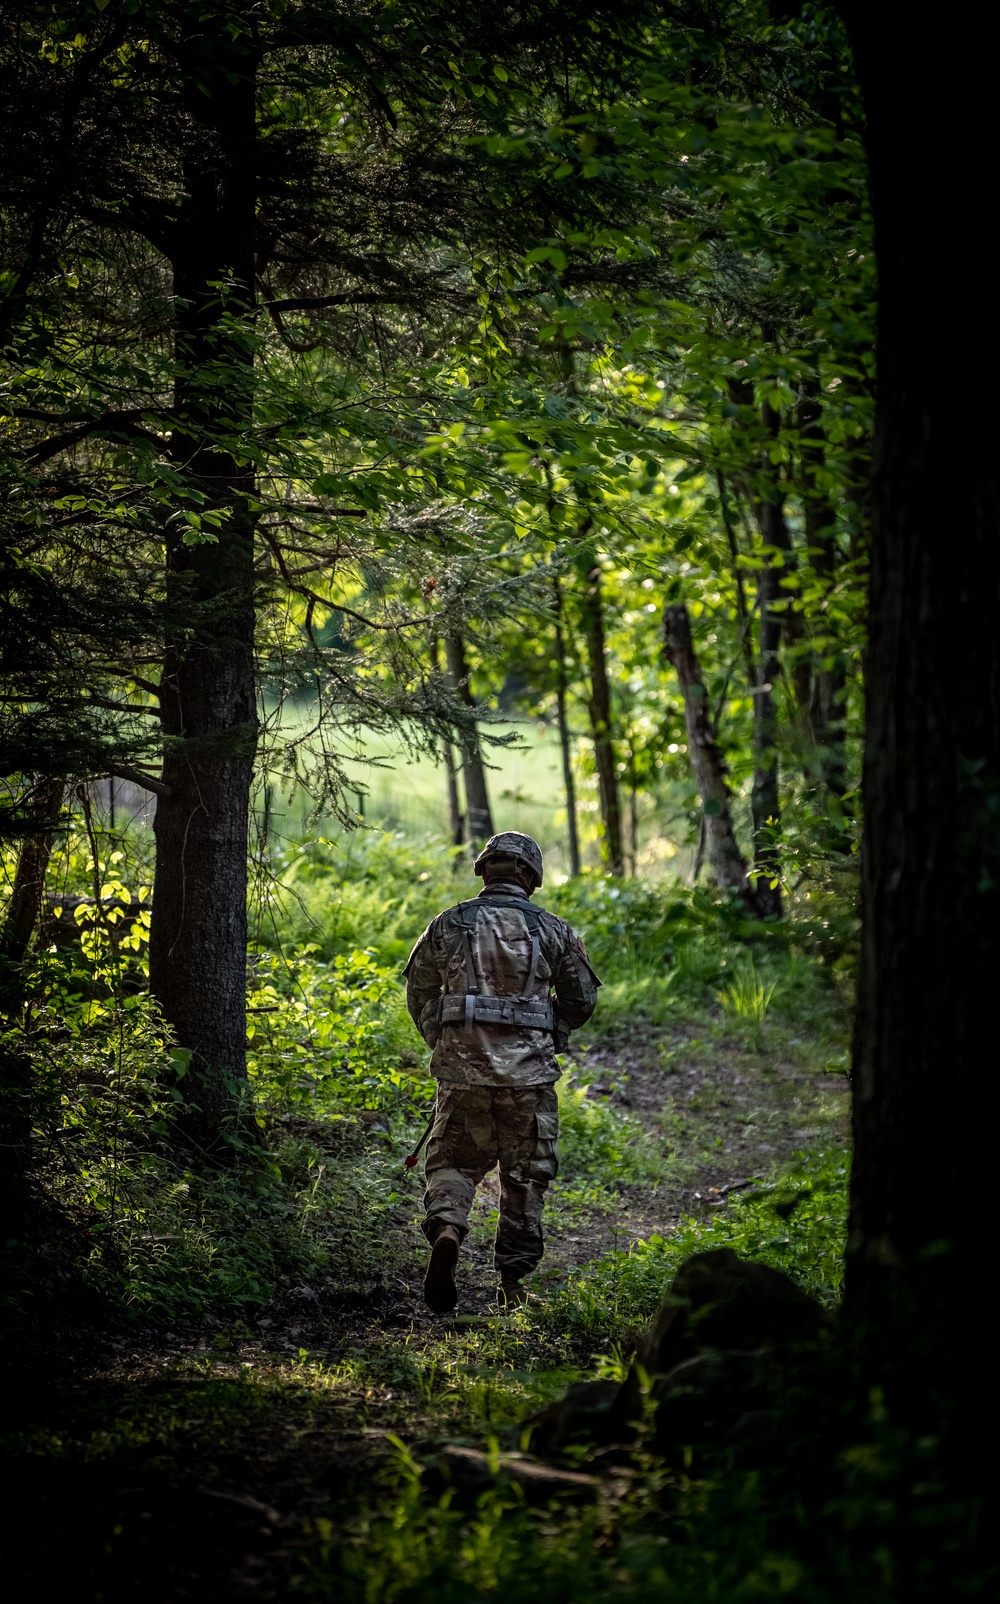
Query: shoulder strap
468,914
536,952
533,920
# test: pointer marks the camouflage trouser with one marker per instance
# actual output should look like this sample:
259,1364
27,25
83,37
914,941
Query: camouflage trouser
476,1127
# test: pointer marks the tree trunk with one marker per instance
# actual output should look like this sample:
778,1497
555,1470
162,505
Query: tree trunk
827,707
477,797
199,921
633,815
770,515
29,878
562,685
742,611
456,821
774,531
922,1240
15,1068
765,804
601,719
707,762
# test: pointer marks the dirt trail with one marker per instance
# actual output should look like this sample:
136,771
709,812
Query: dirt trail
725,1115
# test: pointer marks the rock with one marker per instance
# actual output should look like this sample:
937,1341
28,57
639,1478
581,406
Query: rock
703,1398
719,1300
713,1355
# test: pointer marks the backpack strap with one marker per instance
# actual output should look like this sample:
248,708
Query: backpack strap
473,1005
468,915
532,921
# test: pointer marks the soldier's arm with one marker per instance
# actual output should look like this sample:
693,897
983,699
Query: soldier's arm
424,984
574,982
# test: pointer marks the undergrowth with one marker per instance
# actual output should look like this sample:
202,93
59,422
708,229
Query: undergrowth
324,1209
339,1078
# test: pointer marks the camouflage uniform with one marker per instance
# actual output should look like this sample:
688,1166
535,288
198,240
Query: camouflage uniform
478,988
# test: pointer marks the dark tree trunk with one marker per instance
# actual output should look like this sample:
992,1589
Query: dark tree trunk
633,815
456,820
480,818
25,904
601,717
199,922
827,707
562,685
922,1241
707,761
774,531
15,1068
742,610
764,801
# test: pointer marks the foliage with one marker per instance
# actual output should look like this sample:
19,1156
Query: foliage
366,890
794,1221
146,1232
327,1039
339,1075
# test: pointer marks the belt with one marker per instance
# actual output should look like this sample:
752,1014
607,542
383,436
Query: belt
473,1009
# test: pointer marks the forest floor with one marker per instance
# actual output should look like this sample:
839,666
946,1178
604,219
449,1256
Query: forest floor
222,1460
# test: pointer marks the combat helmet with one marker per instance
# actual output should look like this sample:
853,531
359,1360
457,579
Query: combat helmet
512,844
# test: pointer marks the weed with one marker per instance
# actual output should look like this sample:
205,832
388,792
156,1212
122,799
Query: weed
748,998
600,1143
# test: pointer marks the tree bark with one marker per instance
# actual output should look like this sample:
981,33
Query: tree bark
569,786
765,802
199,921
707,762
15,1067
923,1209
477,797
774,531
633,815
456,821
827,707
742,611
25,904
601,718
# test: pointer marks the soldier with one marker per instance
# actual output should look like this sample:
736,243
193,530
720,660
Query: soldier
479,986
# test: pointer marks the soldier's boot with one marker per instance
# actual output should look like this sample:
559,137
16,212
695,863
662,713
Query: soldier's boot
510,1293
440,1291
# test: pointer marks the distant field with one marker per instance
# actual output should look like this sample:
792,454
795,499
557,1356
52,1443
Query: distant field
526,793
408,795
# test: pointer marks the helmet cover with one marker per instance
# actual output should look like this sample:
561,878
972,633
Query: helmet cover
512,844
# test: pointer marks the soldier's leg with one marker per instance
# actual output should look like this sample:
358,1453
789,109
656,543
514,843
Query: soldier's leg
448,1196
462,1147
460,1150
527,1131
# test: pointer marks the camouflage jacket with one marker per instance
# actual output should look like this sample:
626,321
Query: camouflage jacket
479,987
